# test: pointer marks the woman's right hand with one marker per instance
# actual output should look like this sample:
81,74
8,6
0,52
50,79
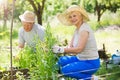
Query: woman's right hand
58,49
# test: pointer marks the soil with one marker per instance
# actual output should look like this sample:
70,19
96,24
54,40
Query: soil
6,75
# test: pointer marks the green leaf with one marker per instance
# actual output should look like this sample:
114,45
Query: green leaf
38,0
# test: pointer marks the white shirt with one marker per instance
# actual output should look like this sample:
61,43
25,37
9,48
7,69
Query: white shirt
31,37
90,51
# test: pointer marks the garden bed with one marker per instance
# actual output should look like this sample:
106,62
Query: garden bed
17,73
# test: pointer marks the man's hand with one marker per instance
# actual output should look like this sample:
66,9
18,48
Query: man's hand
58,49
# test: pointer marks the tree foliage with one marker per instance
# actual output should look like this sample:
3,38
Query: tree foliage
52,7
38,6
100,6
46,9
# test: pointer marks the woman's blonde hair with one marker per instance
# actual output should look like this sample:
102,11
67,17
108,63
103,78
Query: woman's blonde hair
64,17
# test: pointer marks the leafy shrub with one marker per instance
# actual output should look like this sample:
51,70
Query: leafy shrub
40,60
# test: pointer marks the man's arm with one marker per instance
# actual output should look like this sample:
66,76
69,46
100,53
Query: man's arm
21,40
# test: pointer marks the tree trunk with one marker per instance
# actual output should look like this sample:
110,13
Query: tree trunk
38,8
99,15
39,19
98,10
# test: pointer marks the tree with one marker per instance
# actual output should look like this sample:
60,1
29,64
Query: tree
100,6
49,7
38,6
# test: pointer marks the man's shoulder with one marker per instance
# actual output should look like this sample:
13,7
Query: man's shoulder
38,26
21,31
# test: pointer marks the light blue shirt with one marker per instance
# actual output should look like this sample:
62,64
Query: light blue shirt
31,37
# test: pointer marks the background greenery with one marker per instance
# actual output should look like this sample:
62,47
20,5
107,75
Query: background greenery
105,28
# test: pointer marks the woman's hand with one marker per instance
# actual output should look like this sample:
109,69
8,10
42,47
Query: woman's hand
58,49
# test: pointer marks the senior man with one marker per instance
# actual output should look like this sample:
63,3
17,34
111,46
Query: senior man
30,31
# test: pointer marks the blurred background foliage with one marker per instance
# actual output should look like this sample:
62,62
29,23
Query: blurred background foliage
45,10
102,13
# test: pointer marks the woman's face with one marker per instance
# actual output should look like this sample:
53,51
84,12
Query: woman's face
75,18
27,26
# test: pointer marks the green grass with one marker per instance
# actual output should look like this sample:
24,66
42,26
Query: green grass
109,73
63,33
111,39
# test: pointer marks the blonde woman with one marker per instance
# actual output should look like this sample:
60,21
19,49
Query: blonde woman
86,60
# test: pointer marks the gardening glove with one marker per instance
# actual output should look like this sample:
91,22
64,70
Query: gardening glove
58,49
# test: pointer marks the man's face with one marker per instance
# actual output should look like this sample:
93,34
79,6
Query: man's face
27,26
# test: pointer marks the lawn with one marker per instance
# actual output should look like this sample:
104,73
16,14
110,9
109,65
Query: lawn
110,38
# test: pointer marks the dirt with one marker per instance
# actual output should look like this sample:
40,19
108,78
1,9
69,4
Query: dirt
6,75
